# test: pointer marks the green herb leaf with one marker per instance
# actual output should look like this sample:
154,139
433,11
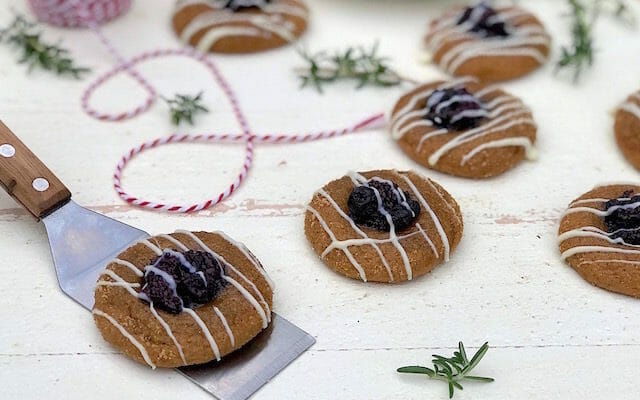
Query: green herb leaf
580,54
454,369
25,35
355,63
184,107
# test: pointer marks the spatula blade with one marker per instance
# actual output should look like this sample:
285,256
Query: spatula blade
82,243
241,374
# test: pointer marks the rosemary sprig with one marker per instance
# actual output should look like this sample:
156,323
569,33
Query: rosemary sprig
580,54
25,35
365,66
452,370
581,50
184,107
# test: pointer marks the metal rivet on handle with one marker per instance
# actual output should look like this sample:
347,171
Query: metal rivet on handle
40,184
7,150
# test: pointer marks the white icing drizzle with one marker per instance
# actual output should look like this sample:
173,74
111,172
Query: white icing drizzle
333,238
632,108
270,21
359,180
593,249
123,331
167,329
525,142
359,231
129,265
152,246
590,231
251,299
436,221
522,41
245,251
177,243
225,324
614,260
205,331
476,133
266,317
120,282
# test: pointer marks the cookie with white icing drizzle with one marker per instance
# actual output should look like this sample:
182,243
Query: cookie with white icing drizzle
490,44
627,129
383,226
182,299
464,128
239,26
599,236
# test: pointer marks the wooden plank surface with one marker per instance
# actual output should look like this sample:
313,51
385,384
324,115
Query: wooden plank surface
555,336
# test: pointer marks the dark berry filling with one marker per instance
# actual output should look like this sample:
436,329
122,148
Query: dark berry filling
178,280
455,109
484,20
369,203
236,5
624,220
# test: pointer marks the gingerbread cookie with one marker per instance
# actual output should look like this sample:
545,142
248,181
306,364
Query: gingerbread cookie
627,129
490,44
239,26
383,226
182,299
599,237
464,128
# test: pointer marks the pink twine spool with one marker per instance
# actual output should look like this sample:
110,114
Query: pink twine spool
77,13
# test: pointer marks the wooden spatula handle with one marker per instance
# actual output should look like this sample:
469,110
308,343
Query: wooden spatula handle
26,178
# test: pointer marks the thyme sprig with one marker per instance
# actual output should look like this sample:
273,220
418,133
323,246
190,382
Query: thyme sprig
183,107
452,370
580,53
358,63
26,36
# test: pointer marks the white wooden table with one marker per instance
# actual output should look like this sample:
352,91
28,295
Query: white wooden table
553,336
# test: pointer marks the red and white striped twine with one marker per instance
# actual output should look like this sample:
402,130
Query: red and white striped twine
90,13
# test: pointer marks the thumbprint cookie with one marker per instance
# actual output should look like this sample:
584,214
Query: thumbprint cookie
599,237
239,26
383,226
627,129
182,299
490,44
464,128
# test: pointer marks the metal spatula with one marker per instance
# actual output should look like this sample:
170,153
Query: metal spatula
82,243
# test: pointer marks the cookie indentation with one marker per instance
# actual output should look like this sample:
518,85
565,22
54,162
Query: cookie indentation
236,5
455,108
177,280
380,204
483,20
623,218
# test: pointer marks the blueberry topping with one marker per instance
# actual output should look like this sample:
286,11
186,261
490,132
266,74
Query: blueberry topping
484,20
236,5
455,109
175,280
624,221
366,209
